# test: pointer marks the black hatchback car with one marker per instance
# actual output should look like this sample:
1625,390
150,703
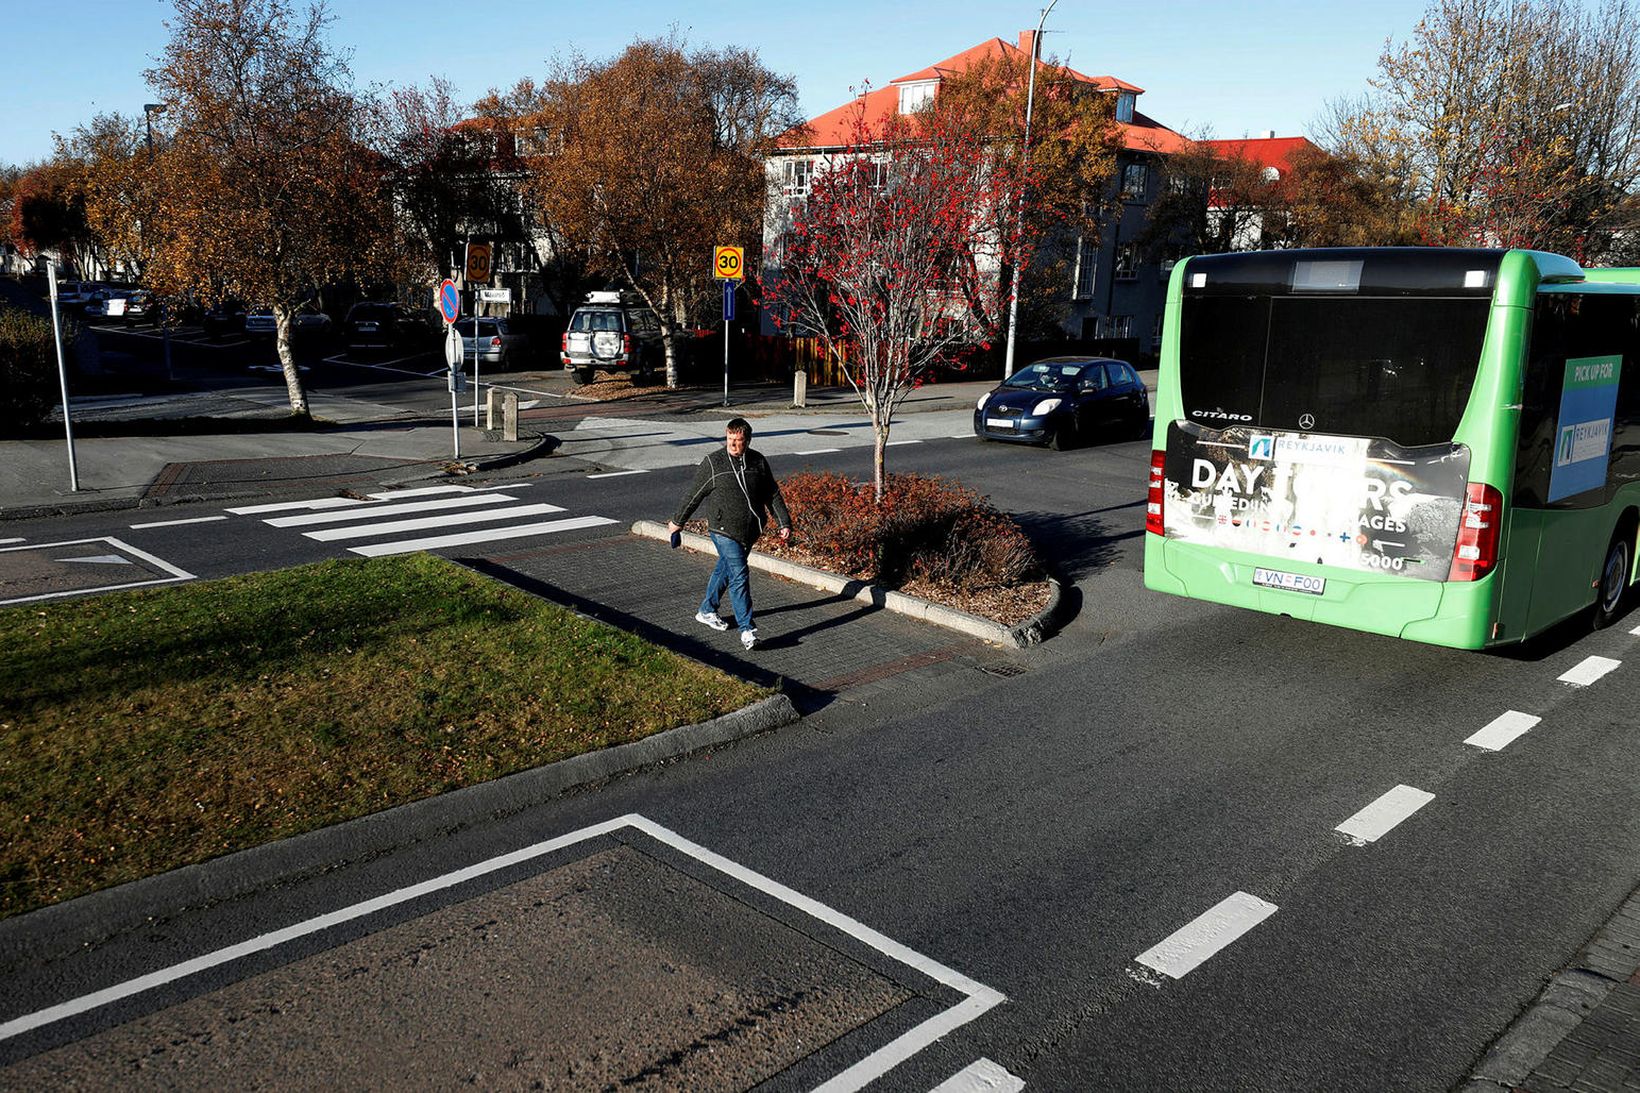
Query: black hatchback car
1060,401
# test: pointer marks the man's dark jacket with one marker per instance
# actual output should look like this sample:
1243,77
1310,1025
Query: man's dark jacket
727,509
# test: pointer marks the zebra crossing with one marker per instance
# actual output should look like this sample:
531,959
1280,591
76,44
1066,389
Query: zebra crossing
484,515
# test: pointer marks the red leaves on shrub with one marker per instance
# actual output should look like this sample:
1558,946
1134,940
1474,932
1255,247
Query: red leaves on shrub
925,529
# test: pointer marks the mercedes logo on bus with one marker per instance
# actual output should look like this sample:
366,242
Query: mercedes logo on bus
1306,422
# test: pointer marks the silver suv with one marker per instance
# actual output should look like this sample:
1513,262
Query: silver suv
610,333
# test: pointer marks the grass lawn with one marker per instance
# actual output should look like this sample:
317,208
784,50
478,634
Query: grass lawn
145,730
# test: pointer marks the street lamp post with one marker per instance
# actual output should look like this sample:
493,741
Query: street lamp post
149,109
1019,215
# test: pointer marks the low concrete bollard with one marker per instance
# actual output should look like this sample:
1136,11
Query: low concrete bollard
492,408
800,388
509,416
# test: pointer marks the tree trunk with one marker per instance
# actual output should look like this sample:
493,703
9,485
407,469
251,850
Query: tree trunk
669,340
879,462
283,321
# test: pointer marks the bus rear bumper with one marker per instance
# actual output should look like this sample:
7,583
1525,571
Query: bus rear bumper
1456,615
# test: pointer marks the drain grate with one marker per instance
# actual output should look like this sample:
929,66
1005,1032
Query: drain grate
1004,670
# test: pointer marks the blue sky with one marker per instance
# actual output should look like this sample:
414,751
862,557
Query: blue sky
1239,68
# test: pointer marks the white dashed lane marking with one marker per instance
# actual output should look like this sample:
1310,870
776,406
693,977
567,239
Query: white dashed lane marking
437,542
1379,818
817,451
1503,730
615,474
1591,670
1213,930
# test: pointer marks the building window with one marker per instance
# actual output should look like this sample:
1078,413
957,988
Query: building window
879,173
1124,106
1135,181
1127,261
1087,260
796,175
916,96
1117,326
1156,331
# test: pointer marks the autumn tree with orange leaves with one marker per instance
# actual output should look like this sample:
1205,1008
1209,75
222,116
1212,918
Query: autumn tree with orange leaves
267,192
650,159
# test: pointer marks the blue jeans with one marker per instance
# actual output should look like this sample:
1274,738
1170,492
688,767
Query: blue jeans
730,571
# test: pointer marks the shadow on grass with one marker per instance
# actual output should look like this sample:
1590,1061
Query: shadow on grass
807,699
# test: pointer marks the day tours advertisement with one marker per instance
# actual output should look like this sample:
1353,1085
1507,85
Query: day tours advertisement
1354,502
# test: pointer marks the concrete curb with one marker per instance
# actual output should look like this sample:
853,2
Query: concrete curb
1029,632
97,916
1611,957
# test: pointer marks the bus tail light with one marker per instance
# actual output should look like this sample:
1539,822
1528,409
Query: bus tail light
1476,553
1153,504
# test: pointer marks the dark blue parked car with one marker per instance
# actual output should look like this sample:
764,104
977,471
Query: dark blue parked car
1060,401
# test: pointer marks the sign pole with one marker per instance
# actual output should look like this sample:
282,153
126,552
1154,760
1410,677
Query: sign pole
62,377
729,267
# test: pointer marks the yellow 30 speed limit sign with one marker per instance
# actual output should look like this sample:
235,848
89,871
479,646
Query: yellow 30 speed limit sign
729,263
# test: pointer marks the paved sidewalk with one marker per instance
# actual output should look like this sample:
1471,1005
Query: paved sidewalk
811,643
1583,1032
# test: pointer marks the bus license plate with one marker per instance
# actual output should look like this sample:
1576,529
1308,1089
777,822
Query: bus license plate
1292,582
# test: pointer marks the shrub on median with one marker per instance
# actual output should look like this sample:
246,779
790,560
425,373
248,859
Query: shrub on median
28,365
926,529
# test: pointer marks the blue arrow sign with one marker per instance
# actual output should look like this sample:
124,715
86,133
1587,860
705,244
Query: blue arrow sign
728,301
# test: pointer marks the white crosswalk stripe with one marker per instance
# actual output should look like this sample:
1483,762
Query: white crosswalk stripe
468,515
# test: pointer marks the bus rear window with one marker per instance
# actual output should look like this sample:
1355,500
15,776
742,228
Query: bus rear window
1399,368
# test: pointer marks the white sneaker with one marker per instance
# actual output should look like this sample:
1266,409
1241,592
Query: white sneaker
748,638
710,618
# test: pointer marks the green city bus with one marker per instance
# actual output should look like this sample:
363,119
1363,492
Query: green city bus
1436,444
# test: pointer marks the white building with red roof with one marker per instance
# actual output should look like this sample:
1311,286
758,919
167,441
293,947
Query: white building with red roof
1113,295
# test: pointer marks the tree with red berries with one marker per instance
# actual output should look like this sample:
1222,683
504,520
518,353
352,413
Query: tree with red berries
893,260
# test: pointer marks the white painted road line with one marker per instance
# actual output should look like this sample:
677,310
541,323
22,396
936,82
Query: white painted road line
979,1000
1589,671
291,506
17,540
615,474
1190,947
817,451
176,574
1379,818
376,550
371,510
1635,631
960,436
897,443
176,523
982,1076
424,491
1503,730
393,527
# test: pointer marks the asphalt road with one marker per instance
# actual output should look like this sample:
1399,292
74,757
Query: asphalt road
1042,833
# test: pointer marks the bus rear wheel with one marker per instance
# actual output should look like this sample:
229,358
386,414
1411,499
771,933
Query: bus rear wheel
1614,579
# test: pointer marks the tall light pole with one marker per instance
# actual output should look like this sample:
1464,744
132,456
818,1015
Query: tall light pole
149,109
1019,215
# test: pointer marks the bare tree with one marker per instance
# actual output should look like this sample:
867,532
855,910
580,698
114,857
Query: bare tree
1513,122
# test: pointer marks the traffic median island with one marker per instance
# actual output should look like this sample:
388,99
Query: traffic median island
148,730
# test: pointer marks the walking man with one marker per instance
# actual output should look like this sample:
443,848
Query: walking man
737,488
